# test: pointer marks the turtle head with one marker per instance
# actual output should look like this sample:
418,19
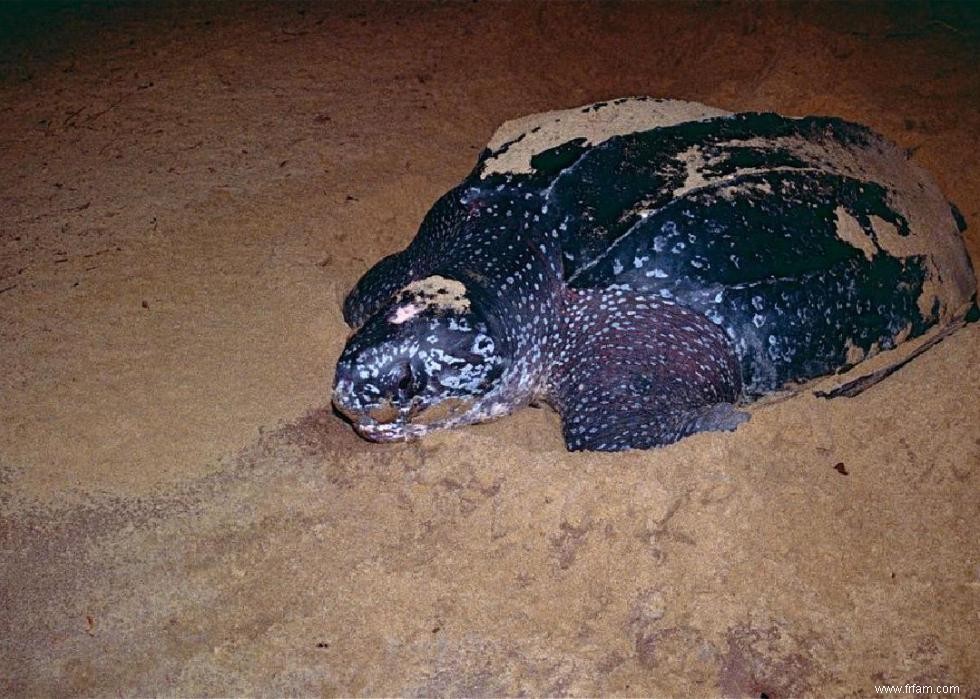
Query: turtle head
427,361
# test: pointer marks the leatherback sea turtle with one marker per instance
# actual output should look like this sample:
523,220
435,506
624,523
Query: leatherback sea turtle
645,266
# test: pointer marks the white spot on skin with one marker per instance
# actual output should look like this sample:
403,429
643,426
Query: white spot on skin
483,346
404,313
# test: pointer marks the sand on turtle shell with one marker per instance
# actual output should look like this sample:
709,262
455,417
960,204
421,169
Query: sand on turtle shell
188,191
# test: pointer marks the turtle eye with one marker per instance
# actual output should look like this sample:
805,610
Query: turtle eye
400,384
482,346
406,381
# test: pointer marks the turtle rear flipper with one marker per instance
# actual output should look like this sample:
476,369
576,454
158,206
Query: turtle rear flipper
869,373
635,372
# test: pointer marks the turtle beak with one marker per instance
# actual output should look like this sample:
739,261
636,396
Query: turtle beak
347,413
385,422
396,431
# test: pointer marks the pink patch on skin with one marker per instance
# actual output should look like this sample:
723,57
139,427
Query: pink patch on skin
404,313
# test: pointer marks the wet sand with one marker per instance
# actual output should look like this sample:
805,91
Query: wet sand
187,194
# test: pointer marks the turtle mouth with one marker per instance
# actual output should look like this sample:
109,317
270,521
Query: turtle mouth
387,423
381,423
398,431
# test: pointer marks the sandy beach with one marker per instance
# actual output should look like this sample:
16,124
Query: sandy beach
187,193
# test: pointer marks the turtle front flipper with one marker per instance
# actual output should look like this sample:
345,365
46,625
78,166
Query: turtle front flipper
635,372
